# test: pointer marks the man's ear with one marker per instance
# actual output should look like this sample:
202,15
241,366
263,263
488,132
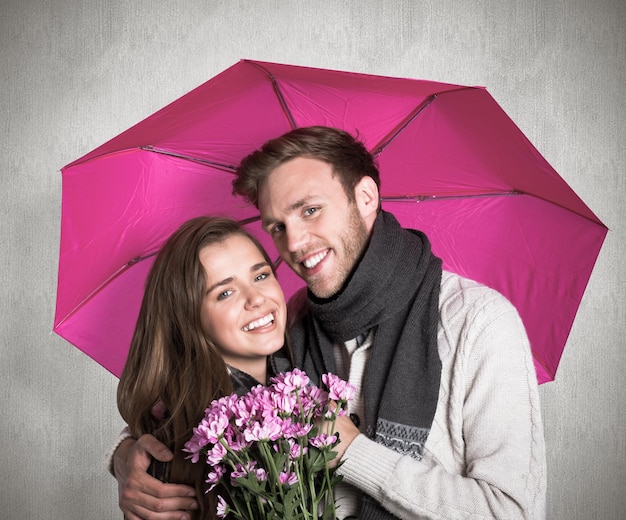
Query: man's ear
367,198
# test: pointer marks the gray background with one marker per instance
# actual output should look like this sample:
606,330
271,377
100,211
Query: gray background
76,73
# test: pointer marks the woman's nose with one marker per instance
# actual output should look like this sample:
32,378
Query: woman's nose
254,298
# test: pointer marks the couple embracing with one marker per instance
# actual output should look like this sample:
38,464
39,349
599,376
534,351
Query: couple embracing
446,420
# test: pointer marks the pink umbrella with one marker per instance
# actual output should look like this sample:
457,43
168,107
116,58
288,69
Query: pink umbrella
452,163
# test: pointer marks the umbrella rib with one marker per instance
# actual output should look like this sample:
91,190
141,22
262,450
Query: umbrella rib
278,92
127,266
249,220
226,167
426,198
117,273
391,136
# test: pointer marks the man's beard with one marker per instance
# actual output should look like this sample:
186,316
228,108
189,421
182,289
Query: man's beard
353,240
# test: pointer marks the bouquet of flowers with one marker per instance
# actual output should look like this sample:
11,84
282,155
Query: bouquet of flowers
268,451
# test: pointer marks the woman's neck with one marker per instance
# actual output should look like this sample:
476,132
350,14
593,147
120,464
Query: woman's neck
257,368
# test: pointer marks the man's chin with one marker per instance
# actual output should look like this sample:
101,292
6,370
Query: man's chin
317,283
320,290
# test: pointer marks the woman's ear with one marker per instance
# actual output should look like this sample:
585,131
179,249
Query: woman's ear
367,198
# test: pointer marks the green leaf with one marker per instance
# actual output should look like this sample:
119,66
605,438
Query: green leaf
252,483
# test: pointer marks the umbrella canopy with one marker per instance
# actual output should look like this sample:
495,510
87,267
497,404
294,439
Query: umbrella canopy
452,163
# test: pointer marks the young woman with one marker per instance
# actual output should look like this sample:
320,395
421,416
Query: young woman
212,321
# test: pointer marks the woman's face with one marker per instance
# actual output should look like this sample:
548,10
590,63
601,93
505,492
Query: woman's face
243,311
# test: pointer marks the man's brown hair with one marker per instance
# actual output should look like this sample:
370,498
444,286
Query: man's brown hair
349,158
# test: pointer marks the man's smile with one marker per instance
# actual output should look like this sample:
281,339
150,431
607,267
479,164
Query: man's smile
314,260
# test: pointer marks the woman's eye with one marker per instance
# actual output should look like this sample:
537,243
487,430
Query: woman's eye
261,276
224,294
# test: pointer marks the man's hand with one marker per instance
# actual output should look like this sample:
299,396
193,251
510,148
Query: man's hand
347,432
344,427
143,497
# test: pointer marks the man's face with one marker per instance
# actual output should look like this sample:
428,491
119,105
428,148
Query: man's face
316,229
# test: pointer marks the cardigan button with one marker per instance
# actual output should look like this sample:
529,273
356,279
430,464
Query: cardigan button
355,419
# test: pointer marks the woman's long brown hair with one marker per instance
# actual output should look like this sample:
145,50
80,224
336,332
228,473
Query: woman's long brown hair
170,357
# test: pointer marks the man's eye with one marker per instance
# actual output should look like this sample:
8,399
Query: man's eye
277,229
224,294
310,211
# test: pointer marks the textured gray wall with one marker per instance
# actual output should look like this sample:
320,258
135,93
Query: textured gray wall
75,73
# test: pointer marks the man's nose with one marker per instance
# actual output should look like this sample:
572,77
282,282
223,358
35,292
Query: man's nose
297,237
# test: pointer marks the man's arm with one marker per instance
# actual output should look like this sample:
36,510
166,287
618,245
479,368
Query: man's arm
141,496
485,456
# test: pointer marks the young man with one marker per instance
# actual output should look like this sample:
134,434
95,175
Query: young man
447,422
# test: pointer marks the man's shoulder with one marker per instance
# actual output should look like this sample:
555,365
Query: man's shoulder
453,286
455,282
468,292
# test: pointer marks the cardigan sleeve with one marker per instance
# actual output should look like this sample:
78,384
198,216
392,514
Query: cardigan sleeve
485,456
108,458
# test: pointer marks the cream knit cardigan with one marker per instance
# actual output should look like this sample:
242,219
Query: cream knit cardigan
485,455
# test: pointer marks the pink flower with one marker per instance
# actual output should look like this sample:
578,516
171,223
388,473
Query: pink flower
298,430
264,404
238,434
222,507
216,454
285,403
313,403
290,381
268,430
242,470
261,474
315,395
222,406
296,450
339,390
238,442
192,446
289,478
213,477
323,440
333,412
211,429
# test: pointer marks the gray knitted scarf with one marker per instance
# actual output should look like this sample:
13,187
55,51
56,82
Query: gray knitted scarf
395,291
244,382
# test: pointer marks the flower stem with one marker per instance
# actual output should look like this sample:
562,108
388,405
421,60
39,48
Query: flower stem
272,467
